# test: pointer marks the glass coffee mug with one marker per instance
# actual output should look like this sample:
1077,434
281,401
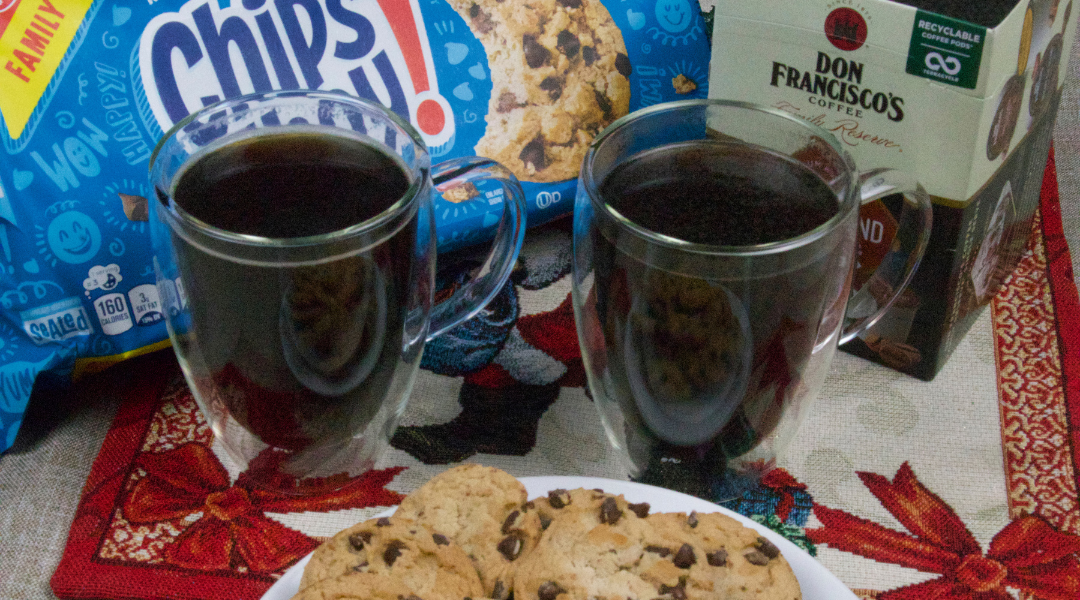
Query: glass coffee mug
714,246
294,243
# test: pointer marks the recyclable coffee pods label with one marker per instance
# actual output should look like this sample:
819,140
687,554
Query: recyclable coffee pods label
87,88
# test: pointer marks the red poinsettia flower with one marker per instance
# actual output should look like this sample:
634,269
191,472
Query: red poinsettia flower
784,485
190,480
1027,555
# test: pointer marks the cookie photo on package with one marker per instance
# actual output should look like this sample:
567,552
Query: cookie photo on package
88,87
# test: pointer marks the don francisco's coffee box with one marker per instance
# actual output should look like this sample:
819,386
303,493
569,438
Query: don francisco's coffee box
962,94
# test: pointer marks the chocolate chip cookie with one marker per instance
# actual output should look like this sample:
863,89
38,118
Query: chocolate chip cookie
720,558
482,509
598,545
559,74
595,546
388,551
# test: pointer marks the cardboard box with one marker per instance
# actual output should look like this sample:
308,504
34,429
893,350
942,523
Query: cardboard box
967,107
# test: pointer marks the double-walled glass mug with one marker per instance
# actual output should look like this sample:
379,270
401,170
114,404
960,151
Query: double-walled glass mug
294,243
714,246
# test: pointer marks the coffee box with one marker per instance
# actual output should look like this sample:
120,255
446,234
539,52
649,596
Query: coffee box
967,107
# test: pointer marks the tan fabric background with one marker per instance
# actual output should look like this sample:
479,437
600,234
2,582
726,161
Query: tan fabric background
41,478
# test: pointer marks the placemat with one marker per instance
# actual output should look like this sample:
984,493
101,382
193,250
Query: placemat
896,485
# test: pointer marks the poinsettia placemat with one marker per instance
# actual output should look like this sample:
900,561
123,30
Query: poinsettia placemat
964,487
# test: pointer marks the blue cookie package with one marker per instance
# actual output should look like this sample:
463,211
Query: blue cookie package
87,88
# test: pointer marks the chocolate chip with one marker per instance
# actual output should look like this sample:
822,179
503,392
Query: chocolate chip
499,591
678,592
508,524
383,522
767,548
545,521
622,65
481,20
684,558
588,54
718,558
393,551
662,551
553,86
440,539
640,509
559,498
413,597
571,3
507,103
360,567
692,520
536,55
755,557
530,504
510,547
549,591
568,43
357,540
610,513
603,102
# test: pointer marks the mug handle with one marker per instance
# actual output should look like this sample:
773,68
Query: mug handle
472,297
869,304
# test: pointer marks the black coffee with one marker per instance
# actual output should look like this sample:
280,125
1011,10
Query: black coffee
716,193
299,352
291,184
702,370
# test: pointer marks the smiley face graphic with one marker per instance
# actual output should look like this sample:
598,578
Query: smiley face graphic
673,15
73,237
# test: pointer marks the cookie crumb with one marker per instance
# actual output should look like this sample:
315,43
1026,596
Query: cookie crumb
683,84
136,208
460,193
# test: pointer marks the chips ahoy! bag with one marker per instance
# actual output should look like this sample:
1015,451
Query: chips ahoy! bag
87,87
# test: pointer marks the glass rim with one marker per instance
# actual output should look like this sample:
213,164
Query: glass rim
192,224
848,201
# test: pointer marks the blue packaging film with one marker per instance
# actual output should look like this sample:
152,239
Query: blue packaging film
87,88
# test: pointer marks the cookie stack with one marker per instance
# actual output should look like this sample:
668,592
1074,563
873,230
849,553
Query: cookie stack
471,533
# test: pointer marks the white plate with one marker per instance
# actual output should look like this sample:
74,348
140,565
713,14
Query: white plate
816,581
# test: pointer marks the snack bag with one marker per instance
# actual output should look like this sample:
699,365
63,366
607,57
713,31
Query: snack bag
87,87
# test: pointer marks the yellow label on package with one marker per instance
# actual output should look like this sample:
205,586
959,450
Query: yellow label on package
33,43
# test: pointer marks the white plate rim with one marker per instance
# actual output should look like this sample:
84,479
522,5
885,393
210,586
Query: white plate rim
817,582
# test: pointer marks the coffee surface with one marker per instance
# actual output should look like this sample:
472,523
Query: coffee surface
290,184
717,193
